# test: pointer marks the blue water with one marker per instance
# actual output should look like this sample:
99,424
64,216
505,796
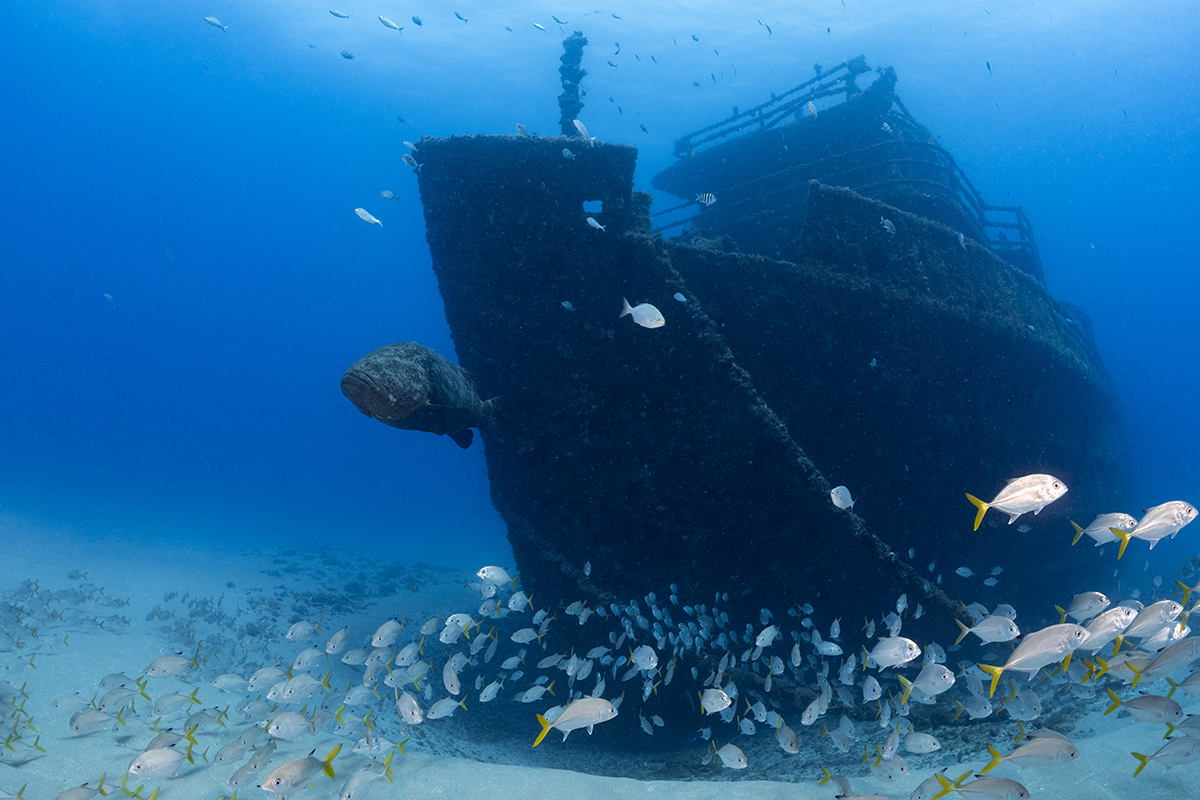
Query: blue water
206,180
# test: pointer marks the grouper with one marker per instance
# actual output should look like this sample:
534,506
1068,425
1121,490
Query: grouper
411,387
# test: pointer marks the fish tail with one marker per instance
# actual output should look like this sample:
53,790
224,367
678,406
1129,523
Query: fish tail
1174,686
982,506
1078,533
995,672
550,689
1187,592
965,630
328,768
827,777
1124,536
995,762
545,729
493,411
958,713
1103,665
625,308
1137,674
907,684
1062,614
1144,759
1116,701
947,786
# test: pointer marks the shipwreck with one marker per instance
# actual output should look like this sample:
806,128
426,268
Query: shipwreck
848,311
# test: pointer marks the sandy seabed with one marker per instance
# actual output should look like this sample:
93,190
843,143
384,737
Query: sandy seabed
64,634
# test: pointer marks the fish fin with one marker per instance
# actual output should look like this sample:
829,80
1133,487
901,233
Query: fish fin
545,729
493,413
1187,592
1103,664
1144,759
1174,686
907,684
965,630
328,768
1078,533
995,762
400,746
982,506
550,689
995,672
100,787
1062,614
827,777
463,437
947,786
1137,674
1124,536
958,713
1116,701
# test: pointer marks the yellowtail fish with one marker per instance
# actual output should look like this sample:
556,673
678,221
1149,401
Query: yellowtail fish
1175,752
1020,496
983,788
1100,528
1151,708
295,774
1039,649
582,713
1084,606
990,629
1157,523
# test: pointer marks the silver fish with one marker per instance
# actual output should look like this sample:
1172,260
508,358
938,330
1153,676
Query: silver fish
216,23
298,772
365,216
643,314
1039,649
1021,495
387,23
582,713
